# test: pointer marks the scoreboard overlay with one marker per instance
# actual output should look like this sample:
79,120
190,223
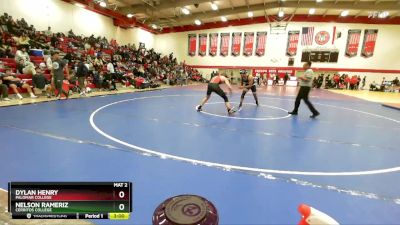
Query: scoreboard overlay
70,200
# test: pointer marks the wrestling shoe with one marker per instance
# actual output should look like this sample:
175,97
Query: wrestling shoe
232,110
313,116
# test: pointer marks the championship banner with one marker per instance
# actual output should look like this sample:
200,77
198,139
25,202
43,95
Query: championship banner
248,43
353,40
213,38
260,43
292,43
224,46
202,44
369,43
236,42
192,44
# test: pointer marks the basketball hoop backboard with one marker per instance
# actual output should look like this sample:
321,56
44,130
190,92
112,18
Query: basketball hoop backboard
278,25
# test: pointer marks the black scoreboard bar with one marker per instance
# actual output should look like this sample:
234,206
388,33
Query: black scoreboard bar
70,200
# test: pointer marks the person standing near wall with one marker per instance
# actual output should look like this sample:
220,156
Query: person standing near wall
58,74
363,82
305,87
82,72
285,79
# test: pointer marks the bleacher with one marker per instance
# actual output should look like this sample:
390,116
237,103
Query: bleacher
63,45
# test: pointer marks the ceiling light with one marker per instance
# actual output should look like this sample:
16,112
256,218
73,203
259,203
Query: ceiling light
214,6
311,11
197,22
129,15
224,19
318,0
185,11
344,13
383,14
79,5
103,4
281,13
154,26
250,14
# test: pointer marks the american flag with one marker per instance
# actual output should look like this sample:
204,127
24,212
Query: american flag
307,36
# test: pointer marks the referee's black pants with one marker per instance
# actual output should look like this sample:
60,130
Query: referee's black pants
303,94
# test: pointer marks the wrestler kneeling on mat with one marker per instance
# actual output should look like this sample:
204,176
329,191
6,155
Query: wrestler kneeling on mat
247,83
213,86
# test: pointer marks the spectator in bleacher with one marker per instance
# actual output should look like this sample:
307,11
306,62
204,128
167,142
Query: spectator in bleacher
48,32
21,54
14,83
396,82
3,52
23,40
54,41
71,34
57,72
23,23
3,21
10,25
31,30
22,58
3,90
91,52
110,67
5,49
20,66
98,63
40,82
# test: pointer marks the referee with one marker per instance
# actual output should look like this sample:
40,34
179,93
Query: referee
305,87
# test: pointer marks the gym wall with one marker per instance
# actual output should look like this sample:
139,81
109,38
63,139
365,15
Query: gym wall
385,56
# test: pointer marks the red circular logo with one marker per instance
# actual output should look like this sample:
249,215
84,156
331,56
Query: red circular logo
322,37
191,210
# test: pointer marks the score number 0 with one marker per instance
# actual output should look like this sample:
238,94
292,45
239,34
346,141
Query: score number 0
121,195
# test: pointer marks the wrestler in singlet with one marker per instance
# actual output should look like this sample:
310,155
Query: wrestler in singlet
247,83
213,86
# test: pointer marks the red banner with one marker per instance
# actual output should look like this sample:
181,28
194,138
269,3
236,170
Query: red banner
202,44
213,46
369,43
353,40
248,43
293,41
224,46
192,39
260,43
236,43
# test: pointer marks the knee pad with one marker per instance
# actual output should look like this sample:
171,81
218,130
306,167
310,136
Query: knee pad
225,98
